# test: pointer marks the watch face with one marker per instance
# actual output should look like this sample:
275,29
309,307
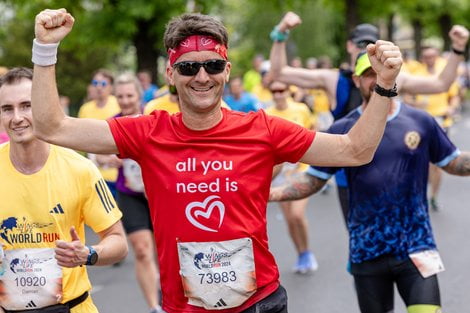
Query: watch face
93,258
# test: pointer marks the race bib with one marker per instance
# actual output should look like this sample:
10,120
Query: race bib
217,275
427,262
133,175
31,279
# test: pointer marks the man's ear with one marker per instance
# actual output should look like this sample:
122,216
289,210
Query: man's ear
169,75
227,71
355,79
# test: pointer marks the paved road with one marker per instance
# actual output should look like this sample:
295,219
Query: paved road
330,290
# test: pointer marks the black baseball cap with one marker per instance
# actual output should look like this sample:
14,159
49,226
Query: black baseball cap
364,33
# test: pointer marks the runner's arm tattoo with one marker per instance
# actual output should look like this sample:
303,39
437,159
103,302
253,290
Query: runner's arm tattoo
460,166
299,186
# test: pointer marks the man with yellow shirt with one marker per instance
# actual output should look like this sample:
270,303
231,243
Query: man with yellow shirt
48,194
104,106
294,211
441,106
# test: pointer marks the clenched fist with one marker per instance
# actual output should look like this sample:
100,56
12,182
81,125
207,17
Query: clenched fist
459,37
289,21
386,60
51,26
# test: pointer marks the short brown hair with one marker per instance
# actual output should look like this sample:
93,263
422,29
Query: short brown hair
107,74
15,75
190,24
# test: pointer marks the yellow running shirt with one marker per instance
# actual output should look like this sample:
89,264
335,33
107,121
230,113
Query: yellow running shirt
38,209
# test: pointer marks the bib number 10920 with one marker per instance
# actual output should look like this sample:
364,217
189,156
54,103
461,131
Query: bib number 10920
30,281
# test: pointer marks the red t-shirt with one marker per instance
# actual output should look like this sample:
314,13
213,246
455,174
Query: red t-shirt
234,161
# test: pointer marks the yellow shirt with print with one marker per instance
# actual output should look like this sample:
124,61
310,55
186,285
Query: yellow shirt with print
42,207
110,109
297,113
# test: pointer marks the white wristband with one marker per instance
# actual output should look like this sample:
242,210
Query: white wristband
44,54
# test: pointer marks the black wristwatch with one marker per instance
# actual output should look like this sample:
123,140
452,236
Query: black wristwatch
92,256
458,52
386,92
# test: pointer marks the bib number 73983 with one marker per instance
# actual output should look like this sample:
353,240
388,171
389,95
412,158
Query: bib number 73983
217,275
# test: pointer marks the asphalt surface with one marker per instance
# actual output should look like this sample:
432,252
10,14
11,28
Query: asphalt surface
330,289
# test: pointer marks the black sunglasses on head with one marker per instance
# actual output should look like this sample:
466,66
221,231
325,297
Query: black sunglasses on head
191,68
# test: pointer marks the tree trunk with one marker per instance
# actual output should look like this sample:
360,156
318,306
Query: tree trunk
144,41
352,14
445,24
390,27
418,36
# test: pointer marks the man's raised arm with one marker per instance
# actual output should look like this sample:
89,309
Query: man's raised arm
358,146
304,78
50,122
413,84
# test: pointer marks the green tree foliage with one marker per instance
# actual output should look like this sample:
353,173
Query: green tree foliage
78,56
108,33
103,32
250,26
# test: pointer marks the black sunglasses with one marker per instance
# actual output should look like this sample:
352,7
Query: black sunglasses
278,90
191,68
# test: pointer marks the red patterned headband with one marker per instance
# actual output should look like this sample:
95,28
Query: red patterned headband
196,43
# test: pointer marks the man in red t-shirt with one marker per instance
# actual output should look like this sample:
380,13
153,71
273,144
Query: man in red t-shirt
207,170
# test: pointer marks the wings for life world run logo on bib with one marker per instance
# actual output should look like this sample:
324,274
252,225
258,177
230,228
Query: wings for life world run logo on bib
213,259
25,265
21,231
208,214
